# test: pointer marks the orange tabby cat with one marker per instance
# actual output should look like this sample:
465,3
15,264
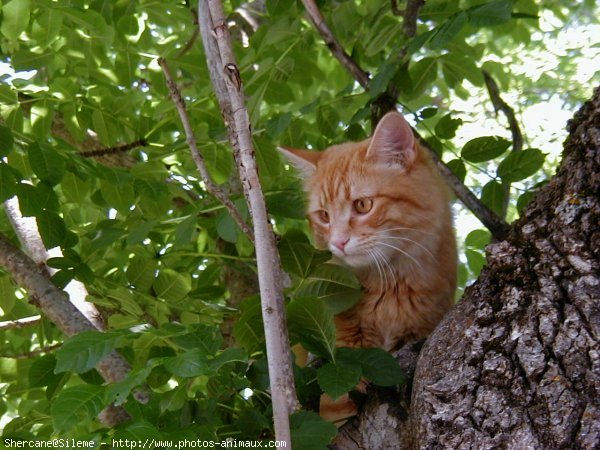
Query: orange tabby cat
383,211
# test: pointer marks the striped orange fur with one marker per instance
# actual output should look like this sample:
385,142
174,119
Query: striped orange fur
383,211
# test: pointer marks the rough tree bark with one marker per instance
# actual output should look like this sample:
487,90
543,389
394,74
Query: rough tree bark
516,364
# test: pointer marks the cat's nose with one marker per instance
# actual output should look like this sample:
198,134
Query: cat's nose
341,243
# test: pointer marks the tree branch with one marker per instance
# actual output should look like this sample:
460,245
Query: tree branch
517,136
332,43
28,234
20,323
497,226
220,58
197,156
56,306
411,13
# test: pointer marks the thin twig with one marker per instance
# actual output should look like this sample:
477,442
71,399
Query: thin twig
411,13
515,129
211,187
332,43
36,352
116,149
221,57
20,323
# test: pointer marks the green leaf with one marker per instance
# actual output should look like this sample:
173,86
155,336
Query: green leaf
46,163
475,260
192,363
489,14
8,183
15,18
422,74
337,287
336,380
310,431
202,337
447,126
277,7
478,238
311,323
35,200
376,364
82,352
7,295
448,30
6,141
41,119
226,357
298,256
117,393
484,148
492,195
171,285
219,162
41,373
139,431
459,67
520,165
47,26
457,166
54,231
77,404
141,272
118,194
288,203
248,329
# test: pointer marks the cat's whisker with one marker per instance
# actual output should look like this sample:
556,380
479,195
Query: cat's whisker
404,253
378,232
418,244
379,265
388,266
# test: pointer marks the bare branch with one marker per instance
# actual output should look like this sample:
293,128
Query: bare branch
221,58
411,13
211,187
20,323
395,10
332,43
515,129
36,352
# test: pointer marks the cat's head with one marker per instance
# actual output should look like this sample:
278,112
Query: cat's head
377,202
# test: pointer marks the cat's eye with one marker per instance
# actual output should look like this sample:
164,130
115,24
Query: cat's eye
323,216
363,205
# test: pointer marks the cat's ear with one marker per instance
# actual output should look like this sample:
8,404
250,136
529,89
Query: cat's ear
303,160
393,141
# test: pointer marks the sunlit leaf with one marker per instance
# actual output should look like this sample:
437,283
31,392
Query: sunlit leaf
15,18
484,148
520,165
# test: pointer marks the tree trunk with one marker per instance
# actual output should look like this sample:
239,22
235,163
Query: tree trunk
516,364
